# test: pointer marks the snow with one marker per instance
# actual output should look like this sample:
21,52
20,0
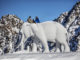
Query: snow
15,29
40,56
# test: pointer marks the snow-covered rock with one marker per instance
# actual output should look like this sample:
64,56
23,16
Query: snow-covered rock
71,20
9,32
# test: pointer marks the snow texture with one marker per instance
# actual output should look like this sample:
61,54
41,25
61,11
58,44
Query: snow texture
46,56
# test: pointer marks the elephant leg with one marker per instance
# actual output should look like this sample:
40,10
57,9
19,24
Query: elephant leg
46,48
66,47
57,47
22,43
65,44
41,35
43,40
28,49
34,48
62,48
62,40
11,47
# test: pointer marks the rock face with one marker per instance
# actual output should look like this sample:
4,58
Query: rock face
71,20
9,32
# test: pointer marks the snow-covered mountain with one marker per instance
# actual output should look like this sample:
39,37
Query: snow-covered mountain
9,32
71,20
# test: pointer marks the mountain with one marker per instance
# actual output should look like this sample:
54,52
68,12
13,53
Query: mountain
71,20
9,32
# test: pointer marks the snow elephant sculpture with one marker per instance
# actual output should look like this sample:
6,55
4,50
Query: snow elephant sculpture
46,31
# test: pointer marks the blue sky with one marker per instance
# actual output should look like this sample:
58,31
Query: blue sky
44,9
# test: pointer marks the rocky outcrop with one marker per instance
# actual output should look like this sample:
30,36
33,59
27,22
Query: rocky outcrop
9,32
71,20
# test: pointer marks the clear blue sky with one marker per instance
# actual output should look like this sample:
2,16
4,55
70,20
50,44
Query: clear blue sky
44,9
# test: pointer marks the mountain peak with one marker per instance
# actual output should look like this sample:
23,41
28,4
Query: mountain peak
71,20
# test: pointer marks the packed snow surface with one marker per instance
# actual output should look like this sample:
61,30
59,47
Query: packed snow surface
41,56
